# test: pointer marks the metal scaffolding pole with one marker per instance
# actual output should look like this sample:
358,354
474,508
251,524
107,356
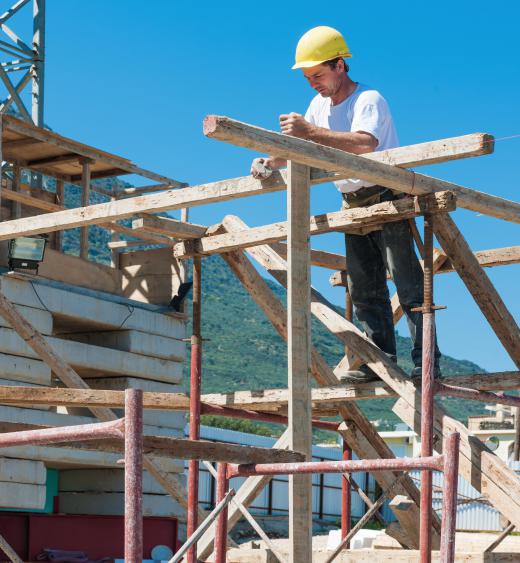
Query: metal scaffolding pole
195,407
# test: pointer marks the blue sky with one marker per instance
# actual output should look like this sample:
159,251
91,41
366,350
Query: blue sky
137,78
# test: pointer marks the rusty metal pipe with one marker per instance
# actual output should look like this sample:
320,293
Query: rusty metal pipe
263,416
221,526
346,498
195,407
427,394
78,433
475,395
133,475
449,498
434,463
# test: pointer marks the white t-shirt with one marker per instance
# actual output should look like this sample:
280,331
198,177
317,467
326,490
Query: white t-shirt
364,110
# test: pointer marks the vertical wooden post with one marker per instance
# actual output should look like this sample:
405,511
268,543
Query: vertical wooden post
299,357
114,254
85,200
16,205
60,200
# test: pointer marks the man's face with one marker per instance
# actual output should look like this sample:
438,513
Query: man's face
324,79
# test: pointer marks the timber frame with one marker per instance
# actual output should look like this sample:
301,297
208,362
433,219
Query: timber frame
26,146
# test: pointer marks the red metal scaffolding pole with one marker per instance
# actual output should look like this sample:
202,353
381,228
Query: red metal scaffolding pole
79,433
346,498
133,475
221,526
263,416
427,393
195,385
346,487
433,463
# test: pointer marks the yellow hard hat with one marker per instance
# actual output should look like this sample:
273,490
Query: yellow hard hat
318,45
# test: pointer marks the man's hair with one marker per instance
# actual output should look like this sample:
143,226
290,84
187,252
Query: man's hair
334,63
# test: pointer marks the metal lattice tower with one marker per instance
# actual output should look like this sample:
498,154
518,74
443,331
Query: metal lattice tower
22,63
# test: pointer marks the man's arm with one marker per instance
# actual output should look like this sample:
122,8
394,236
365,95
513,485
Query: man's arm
358,142
294,124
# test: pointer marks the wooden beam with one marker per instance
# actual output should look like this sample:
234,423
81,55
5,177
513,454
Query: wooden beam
183,448
46,136
85,202
299,358
54,396
328,158
479,285
234,188
359,433
319,258
486,258
346,220
60,159
167,227
275,400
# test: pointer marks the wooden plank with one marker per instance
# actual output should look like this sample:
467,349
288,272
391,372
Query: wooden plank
11,124
299,357
328,158
272,400
486,258
85,201
347,220
360,434
479,285
54,396
167,227
222,191
319,258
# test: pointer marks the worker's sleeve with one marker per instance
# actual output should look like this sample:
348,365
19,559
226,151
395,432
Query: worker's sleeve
371,114
309,117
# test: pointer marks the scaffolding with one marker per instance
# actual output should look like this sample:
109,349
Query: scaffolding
298,407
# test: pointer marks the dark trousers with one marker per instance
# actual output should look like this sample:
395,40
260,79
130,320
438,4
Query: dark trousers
369,256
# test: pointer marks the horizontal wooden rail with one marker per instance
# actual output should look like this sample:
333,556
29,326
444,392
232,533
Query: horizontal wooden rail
486,258
328,158
413,155
347,220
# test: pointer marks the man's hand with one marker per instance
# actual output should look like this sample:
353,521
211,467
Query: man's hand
295,125
260,168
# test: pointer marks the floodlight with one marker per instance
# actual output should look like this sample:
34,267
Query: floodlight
26,253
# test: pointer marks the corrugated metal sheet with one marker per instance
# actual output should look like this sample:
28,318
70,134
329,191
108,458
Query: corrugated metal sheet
471,514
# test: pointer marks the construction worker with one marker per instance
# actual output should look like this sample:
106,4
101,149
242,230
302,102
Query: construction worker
355,118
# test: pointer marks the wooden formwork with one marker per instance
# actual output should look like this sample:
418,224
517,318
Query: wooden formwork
289,264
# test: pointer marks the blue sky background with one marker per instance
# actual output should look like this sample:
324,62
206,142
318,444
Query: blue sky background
137,78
